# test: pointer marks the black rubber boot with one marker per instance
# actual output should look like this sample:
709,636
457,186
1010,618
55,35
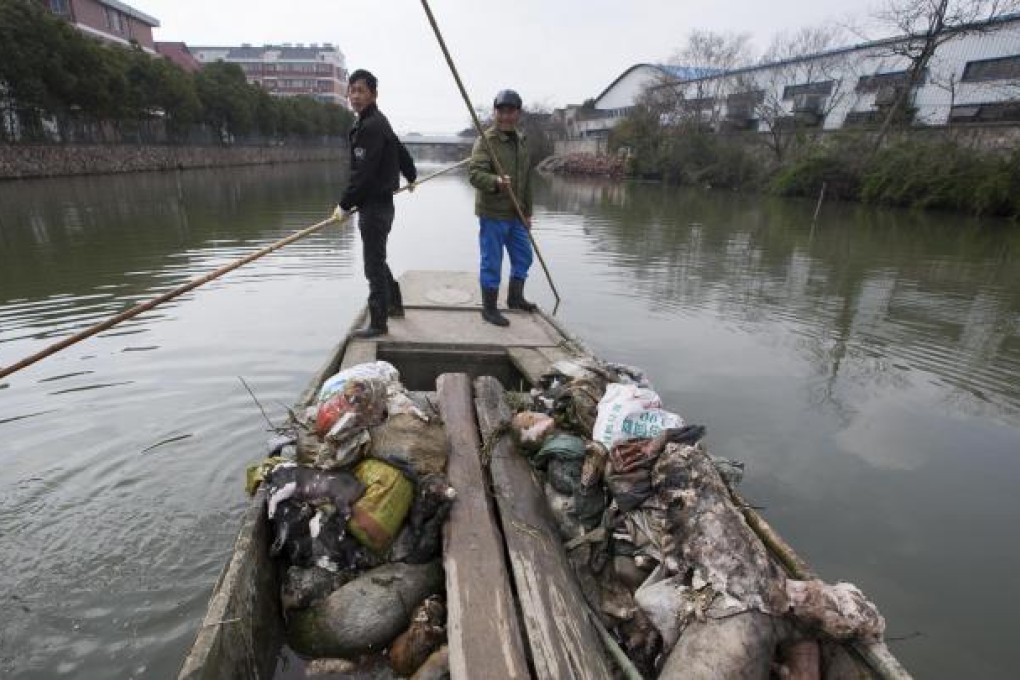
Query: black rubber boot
396,306
489,311
515,297
376,324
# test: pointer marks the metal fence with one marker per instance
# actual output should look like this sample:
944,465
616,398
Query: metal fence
19,125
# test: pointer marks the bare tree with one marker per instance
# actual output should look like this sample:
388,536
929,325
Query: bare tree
942,74
809,40
927,25
711,53
802,80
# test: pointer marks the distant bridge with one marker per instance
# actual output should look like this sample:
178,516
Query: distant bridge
438,147
438,140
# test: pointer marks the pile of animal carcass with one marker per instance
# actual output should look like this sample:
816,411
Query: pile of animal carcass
357,517
660,549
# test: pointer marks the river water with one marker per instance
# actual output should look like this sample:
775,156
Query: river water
866,369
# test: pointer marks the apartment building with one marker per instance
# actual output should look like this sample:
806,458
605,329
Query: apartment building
287,70
107,20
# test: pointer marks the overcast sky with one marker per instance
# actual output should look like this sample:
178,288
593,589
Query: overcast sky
554,52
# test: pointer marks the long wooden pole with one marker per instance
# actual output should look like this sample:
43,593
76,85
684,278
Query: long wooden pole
191,285
488,146
875,654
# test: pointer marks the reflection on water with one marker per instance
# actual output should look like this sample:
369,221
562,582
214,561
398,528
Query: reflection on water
867,369
864,290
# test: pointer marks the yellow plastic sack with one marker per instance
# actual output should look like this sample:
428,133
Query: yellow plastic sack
379,513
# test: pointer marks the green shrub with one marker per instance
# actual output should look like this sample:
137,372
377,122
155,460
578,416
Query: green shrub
911,172
998,192
943,176
805,176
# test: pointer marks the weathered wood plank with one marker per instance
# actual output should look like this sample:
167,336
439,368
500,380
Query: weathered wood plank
554,354
358,352
465,327
563,641
482,627
242,632
243,629
530,362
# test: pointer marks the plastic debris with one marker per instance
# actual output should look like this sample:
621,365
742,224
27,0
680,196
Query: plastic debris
531,429
377,516
373,370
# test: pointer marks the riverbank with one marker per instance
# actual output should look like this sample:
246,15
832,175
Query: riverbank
972,171
585,164
24,161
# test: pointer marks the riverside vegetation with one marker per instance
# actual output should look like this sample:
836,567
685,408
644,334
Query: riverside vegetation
907,170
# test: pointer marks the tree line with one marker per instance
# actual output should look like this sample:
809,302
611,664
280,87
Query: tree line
57,83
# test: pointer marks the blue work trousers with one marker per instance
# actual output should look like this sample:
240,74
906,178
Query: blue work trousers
493,236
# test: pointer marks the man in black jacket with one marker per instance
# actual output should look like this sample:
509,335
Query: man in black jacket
377,161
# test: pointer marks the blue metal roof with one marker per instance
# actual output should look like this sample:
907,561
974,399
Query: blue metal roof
687,72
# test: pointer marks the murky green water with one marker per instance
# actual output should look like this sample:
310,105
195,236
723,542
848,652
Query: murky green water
867,370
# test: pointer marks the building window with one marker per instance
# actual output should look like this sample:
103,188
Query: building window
881,81
115,20
61,8
1003,68
697,104
823,88
993,112
741,105
861,119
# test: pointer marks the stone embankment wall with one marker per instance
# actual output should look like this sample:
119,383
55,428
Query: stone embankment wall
24,161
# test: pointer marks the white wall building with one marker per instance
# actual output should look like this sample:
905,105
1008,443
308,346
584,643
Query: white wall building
972,78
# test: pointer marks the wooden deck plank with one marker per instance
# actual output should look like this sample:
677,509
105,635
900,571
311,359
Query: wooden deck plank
530,362
482,628
423,288
358,352
466,327
554,354
563,641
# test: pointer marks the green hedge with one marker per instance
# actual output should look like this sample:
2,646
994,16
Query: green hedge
941,175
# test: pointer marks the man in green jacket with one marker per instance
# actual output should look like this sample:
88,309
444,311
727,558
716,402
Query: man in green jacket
499,224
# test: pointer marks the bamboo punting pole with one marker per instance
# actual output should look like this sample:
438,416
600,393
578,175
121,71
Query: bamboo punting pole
191,285
876,654
782,550
488,146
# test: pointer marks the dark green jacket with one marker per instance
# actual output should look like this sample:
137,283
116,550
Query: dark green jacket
512,151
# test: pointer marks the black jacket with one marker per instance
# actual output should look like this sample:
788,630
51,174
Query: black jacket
377,161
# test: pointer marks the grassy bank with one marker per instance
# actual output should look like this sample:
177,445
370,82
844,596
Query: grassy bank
910,171
929,175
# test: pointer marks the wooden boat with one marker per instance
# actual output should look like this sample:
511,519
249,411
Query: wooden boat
514,608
